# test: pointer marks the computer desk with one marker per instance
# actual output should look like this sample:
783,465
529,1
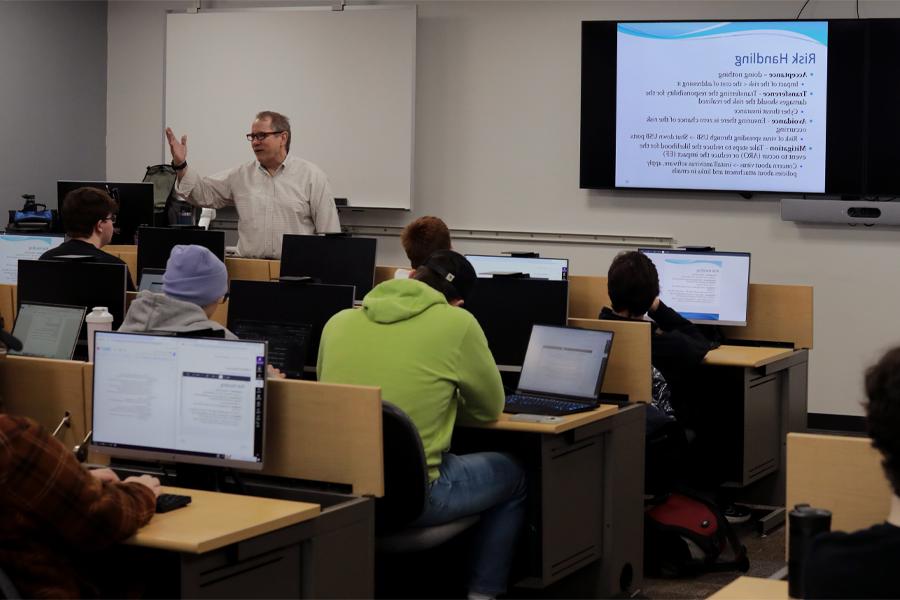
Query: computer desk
225,545
757,588
762,385
584,525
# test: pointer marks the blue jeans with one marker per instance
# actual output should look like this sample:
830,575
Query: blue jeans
493,485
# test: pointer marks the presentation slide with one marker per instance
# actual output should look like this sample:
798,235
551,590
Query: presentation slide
729,106
14,248
704,287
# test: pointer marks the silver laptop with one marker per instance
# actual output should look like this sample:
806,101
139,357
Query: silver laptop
48,330
563,371
152,280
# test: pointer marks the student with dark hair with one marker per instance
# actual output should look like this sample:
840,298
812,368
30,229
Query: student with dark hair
431,359
89,215
420,239
677,348
861,564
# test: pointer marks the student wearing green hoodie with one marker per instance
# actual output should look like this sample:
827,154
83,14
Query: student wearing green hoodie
431,359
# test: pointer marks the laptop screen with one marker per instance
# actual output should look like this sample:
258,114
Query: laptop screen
48,330
152,280
177,399
565,361
16,247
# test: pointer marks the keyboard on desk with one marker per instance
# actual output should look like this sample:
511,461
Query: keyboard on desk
540,405
167,502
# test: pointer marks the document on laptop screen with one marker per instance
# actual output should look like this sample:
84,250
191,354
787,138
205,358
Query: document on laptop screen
564,361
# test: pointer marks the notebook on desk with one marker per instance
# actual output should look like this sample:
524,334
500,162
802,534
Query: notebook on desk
563,371
288,342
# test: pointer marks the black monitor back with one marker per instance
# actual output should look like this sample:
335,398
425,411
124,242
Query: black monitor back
506,308
135,202
289,302
75,283
156,243
338,260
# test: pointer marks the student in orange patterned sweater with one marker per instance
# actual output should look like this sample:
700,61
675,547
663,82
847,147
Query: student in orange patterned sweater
56,516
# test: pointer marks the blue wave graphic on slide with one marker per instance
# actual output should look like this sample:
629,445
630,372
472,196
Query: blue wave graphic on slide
816,31
26,238
693,261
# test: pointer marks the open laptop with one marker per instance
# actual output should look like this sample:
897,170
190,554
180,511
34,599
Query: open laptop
288,342
48,330
563,371
152,280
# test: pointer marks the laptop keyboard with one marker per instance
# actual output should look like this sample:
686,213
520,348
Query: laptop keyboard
287,343
539,405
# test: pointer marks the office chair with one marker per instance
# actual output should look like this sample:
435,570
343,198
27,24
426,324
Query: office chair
7,588
405,491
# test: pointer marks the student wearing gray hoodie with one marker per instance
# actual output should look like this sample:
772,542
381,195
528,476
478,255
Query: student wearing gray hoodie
194,284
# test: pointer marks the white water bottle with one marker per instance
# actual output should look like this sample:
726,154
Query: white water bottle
99,319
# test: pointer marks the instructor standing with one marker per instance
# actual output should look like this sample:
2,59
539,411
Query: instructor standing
274,194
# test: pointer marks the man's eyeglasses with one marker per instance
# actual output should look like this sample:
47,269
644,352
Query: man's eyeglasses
111,218
260,136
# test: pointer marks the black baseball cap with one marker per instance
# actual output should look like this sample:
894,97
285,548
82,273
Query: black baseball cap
455,270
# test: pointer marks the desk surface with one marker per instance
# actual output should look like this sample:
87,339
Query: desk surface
745,356
743,588
566,423
213,520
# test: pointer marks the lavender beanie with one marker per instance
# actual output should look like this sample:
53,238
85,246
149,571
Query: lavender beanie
194,274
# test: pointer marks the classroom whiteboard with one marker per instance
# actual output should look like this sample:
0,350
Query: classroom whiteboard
346,80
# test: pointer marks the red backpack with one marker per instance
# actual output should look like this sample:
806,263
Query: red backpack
686,534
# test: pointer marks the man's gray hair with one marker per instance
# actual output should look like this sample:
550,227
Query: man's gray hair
279,123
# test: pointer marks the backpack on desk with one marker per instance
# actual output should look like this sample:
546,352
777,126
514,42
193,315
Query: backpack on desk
168,209
686,534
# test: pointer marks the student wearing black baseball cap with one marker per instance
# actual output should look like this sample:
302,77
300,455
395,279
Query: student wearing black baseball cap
431,359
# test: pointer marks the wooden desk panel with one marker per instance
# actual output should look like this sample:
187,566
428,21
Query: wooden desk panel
745,588
325,432
840,473
777,313
127,253
249,269
44,389
567,423
383,273
587,295
628,371
8,305
745,356
214,520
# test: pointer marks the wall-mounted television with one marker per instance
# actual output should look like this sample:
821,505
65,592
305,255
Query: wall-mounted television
796,107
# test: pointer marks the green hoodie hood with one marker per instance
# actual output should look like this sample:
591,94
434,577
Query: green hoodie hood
400,299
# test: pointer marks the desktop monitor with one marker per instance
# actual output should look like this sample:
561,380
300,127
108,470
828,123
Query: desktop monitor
340,260
179,399
156,243
704,287
507,308
536,268
48,330
16,247
135,202
74,283
290,303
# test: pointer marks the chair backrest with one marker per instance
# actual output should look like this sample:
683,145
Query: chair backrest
405,472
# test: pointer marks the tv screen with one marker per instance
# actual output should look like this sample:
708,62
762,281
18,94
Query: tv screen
799,107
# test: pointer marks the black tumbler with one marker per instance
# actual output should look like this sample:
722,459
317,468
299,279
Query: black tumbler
806,522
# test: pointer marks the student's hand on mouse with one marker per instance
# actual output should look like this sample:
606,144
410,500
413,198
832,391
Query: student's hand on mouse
176,147
104,475
147,480
274,372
